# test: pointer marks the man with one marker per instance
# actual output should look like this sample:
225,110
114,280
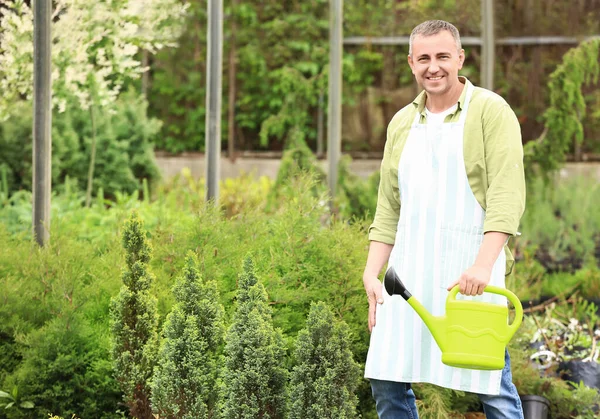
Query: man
452,192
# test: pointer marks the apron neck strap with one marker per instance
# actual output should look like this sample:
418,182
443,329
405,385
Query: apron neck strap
465,107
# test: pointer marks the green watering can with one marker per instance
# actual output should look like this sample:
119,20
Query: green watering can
472,334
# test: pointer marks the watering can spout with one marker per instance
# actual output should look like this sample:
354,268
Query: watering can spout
437,325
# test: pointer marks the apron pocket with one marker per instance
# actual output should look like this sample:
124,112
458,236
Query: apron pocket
459,246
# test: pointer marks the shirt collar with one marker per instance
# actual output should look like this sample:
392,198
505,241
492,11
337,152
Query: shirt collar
420,100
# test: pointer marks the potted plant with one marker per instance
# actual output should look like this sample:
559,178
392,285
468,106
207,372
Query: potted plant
580,351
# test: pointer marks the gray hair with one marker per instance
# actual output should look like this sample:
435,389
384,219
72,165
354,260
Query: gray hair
433,27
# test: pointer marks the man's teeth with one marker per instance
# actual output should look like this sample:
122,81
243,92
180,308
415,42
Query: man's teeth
435,78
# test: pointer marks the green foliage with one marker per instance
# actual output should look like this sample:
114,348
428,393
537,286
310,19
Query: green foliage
292,122
433,402
178,88
54,308
356,197
254,377
184,381
298,161
561,221
14,400
124,147
134,322
302,253
563,119
567,400
66,369
277,92
325,376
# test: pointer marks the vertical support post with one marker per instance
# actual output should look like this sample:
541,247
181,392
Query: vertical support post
320,117
334,117
214,65
232,84
42,121
488,44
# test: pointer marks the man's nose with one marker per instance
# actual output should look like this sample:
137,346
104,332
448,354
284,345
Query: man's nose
433,66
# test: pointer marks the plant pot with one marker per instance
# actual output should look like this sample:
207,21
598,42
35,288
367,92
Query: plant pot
578,371
535,407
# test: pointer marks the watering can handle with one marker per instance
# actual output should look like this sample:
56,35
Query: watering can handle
508,294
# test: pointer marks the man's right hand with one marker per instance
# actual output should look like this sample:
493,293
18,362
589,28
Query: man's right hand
373,288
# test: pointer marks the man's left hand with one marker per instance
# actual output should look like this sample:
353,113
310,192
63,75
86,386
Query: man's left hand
473,280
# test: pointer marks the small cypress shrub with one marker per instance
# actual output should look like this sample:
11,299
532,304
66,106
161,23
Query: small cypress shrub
254,377
184,382
134,322
325,377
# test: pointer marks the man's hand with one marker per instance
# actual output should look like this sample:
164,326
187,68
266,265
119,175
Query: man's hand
373,289
472,281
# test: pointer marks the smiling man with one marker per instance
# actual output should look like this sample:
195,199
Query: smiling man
452,192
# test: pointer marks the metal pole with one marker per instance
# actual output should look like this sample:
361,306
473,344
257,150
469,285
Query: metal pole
214,65
488,44
320,115
232,84
42,121
334,117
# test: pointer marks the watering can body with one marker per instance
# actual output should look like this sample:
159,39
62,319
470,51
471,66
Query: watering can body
472,334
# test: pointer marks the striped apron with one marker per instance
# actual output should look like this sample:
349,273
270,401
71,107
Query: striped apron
439,234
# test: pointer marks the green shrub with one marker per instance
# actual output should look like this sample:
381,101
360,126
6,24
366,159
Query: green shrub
561,220
183,385
325,376
301,252
124,146
356,198
254,379
134,322
297,161
66,369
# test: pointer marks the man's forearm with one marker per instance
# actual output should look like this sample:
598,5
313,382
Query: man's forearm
493,242
379,253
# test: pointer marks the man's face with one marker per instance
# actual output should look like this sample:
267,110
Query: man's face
435,62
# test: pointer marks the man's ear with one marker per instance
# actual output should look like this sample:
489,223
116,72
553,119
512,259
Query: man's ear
461,58
410,63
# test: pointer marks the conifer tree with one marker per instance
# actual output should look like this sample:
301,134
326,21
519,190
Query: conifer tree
254,379
325,377
134,322
184,382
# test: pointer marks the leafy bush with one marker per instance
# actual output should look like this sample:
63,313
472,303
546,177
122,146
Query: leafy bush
561,220
357,198
135,322
124,143
66,369
326,375
302,253
254,379
184,380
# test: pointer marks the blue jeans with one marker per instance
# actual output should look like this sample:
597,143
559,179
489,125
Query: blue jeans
397,400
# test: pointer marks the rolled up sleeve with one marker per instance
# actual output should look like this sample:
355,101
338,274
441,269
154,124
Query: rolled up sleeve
387,212
505,197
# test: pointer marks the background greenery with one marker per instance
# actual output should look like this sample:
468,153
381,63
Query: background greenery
54,318
281,53
56,300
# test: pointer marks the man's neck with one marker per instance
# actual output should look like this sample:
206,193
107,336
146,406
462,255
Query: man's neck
437,104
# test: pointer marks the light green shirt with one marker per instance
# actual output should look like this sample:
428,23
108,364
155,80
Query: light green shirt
493,154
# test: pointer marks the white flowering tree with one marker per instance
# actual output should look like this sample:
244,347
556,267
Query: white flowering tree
96,47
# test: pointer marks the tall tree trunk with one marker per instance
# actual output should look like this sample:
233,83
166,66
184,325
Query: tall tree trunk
88,194
577,145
